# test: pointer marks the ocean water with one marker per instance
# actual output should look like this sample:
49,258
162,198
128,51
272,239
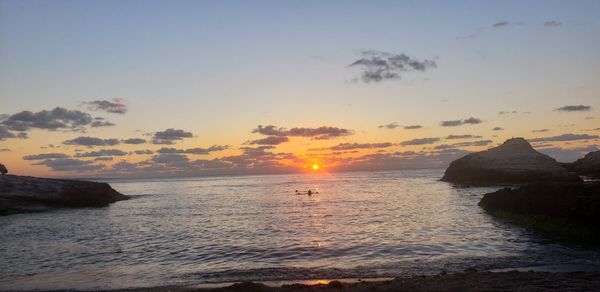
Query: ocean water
220,229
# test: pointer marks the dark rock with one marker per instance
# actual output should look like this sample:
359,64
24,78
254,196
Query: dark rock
567,210
514,162
19,194
3,169
588,165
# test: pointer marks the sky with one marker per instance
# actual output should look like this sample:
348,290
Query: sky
185,88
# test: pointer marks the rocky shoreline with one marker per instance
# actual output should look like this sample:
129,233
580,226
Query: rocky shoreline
24,194
552,197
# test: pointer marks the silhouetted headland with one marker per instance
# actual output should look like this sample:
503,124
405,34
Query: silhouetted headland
514,162
586,166
23,194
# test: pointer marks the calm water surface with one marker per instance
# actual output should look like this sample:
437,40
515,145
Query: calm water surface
221,229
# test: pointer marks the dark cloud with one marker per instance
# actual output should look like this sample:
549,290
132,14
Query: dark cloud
500,24
574,108
454,123
507,112
56,119
70,165
473,143
565,137
45,156
91,141
270,140
468,136
103,152
389,126
420,141
116,106
143,152
320,133
109,158
134,141
198,150
378,66
412,127
498,129
170,136
352,146
552,23
101,122
6,134
540,131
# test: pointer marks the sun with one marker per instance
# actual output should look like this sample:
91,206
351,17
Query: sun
315,167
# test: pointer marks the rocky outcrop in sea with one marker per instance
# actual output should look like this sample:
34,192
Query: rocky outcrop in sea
22,194
513,162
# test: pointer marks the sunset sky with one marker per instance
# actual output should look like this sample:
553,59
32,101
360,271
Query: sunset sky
172,88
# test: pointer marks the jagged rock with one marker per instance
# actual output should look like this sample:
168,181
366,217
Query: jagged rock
513,162
19,194
3,169
588,165
567,210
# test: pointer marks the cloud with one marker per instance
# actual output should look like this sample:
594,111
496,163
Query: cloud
134,141
320,133
91,141
6,134
453,137
498,129
420,141
70,165
352,146
507,112
565,137
5,150
540,131
473,143
574,108
103,152
45,156
552,23
454,123
412,127
198,150
170,136
378,66
389,126
143,152
101,122
270,140
58,118
500,24
104,158
116,106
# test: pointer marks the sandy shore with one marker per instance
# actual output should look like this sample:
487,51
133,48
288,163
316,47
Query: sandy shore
467,281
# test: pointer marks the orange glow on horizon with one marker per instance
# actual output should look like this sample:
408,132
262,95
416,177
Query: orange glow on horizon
315,167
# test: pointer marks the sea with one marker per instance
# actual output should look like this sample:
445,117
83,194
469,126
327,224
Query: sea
189,231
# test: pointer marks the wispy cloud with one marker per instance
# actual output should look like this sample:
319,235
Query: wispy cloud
377,66
91,141
320,133
565,137
115,106
574,108
420,141
170,136
455,123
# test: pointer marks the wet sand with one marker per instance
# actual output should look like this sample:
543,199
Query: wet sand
466,281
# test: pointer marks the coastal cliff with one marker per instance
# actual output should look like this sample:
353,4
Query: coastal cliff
513,162
22,194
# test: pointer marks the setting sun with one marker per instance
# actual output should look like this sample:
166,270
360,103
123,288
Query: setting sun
315,167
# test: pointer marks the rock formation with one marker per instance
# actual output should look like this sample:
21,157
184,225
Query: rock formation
567,210
19,194
588,165
513,162
3,169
